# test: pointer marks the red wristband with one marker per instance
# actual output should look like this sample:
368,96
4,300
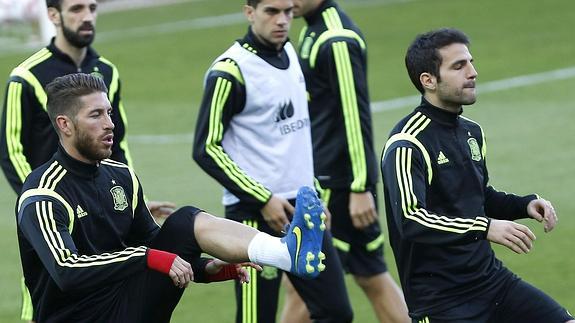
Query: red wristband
160,260
227,272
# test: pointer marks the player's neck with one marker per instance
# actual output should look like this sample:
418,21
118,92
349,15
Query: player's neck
443,105
76,54
73,152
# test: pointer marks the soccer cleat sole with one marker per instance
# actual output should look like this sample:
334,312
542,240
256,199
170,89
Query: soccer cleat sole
311,227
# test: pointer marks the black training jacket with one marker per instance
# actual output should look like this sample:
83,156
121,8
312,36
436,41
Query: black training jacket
82,230
439,204
333,57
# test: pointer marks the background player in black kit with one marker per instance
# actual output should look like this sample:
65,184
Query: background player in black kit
442,212
333,56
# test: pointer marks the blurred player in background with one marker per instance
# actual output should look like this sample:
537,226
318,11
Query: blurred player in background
253,136
333,56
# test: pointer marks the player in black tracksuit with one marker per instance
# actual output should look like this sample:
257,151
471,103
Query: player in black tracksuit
83,231
442,212
90,249
27,139
333,56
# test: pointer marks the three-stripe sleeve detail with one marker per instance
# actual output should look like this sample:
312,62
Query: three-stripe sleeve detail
14,131
23,71
409,204
14,110
351,115
334,29
331,18
230,67
215,150
348,95
409,132
64,256
412,211
48,228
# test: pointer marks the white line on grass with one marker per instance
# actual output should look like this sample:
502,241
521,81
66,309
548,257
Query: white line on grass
398,103
127,5
177,26
493,86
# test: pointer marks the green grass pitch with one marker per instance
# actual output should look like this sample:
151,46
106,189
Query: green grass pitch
163,53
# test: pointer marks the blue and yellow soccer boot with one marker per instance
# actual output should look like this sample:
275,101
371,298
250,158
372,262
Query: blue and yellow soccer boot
305,234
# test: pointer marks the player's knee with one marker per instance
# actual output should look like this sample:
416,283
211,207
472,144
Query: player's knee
181,221
362,281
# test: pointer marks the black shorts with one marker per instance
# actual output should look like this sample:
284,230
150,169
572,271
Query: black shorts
515,302
149,296
360,251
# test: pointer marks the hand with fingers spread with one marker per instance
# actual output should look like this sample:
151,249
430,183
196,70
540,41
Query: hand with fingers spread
543,211
276,212
181,273
362,209
219,270
514,236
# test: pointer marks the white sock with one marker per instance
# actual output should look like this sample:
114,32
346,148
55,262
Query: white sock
269,251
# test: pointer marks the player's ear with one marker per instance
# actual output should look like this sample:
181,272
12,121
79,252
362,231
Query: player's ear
64,125
428,81
249,13
54,16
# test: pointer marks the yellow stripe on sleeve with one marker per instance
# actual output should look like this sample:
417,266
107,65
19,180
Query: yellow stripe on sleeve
215,135
14,131
351,115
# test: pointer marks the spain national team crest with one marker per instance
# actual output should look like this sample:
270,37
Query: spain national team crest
474,147
119,196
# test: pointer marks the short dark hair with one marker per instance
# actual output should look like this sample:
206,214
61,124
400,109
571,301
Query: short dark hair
64,94
423,54
54,4
253,3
